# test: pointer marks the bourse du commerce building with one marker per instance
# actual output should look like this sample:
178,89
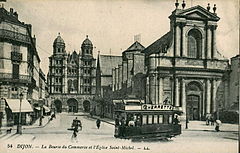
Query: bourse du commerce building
72,77
185,67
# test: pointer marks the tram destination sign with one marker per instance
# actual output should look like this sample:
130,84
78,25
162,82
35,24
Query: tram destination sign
156,107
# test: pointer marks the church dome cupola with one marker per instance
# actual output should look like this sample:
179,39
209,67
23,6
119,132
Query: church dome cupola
87,47
58,40
58,45
87,42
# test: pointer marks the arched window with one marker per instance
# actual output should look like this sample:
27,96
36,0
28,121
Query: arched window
194,44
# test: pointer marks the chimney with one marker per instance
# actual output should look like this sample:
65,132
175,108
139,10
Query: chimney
34,40
11,11
29,26
15,14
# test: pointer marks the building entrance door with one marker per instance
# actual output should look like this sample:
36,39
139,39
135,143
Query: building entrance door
193,107
58,106
86,106
72,105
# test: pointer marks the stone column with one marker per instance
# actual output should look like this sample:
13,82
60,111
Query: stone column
208,96
157,89
176,92
184,42
113,79
183,96
214,41
160,90
152,89
209,43
178,37
214,96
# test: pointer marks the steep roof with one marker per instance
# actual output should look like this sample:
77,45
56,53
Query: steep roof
136,46
108,62
12,17
161,45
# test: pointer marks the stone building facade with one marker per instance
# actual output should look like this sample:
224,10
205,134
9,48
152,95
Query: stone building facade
71,77
104,79
185,68
19,68
234,81
128,77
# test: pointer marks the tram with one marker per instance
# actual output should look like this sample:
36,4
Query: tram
135,120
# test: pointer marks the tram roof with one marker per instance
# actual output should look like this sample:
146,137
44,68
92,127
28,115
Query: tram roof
149,111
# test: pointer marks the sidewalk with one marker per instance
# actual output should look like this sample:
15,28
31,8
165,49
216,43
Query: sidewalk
201,126
45,121
106,120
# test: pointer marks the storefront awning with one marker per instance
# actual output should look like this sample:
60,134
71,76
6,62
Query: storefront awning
46,109
14,105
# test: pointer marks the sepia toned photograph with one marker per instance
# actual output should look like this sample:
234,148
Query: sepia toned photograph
136,76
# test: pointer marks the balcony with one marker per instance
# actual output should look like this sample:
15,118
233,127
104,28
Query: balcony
14,36
15,56
7,77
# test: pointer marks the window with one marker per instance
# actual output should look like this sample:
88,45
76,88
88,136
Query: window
194,44
144,119
150,119
15,71
155,119
170,119
160,119
15,48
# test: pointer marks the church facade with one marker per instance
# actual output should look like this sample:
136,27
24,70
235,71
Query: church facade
184,67
72,77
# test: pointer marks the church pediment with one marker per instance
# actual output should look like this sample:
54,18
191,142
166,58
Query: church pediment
197,12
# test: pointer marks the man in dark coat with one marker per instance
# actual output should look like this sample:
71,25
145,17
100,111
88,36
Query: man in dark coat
98,122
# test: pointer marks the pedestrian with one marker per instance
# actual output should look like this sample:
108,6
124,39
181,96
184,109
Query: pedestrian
98,122
175,120
117,121
212,119
40,121
208,116
218,123
74,136
122,127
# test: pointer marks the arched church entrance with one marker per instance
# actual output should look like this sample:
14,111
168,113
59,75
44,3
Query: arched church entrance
194,99
86,106
58,106
72,105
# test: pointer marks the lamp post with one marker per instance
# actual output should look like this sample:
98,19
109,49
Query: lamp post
19,127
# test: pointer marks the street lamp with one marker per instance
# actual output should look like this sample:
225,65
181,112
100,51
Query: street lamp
19,126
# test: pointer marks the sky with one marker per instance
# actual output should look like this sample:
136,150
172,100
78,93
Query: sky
112,24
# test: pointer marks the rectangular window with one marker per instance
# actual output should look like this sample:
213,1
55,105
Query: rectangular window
170,119
160,119
15,48
150,119
15,71
155,119
144,119
165,119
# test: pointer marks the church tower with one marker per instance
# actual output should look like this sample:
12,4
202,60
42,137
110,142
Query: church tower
56,66
88,69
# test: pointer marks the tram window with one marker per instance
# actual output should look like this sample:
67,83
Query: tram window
150,119
160,119
155,119
165,119
170,119
144,119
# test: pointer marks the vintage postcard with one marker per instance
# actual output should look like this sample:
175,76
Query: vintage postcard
137,76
